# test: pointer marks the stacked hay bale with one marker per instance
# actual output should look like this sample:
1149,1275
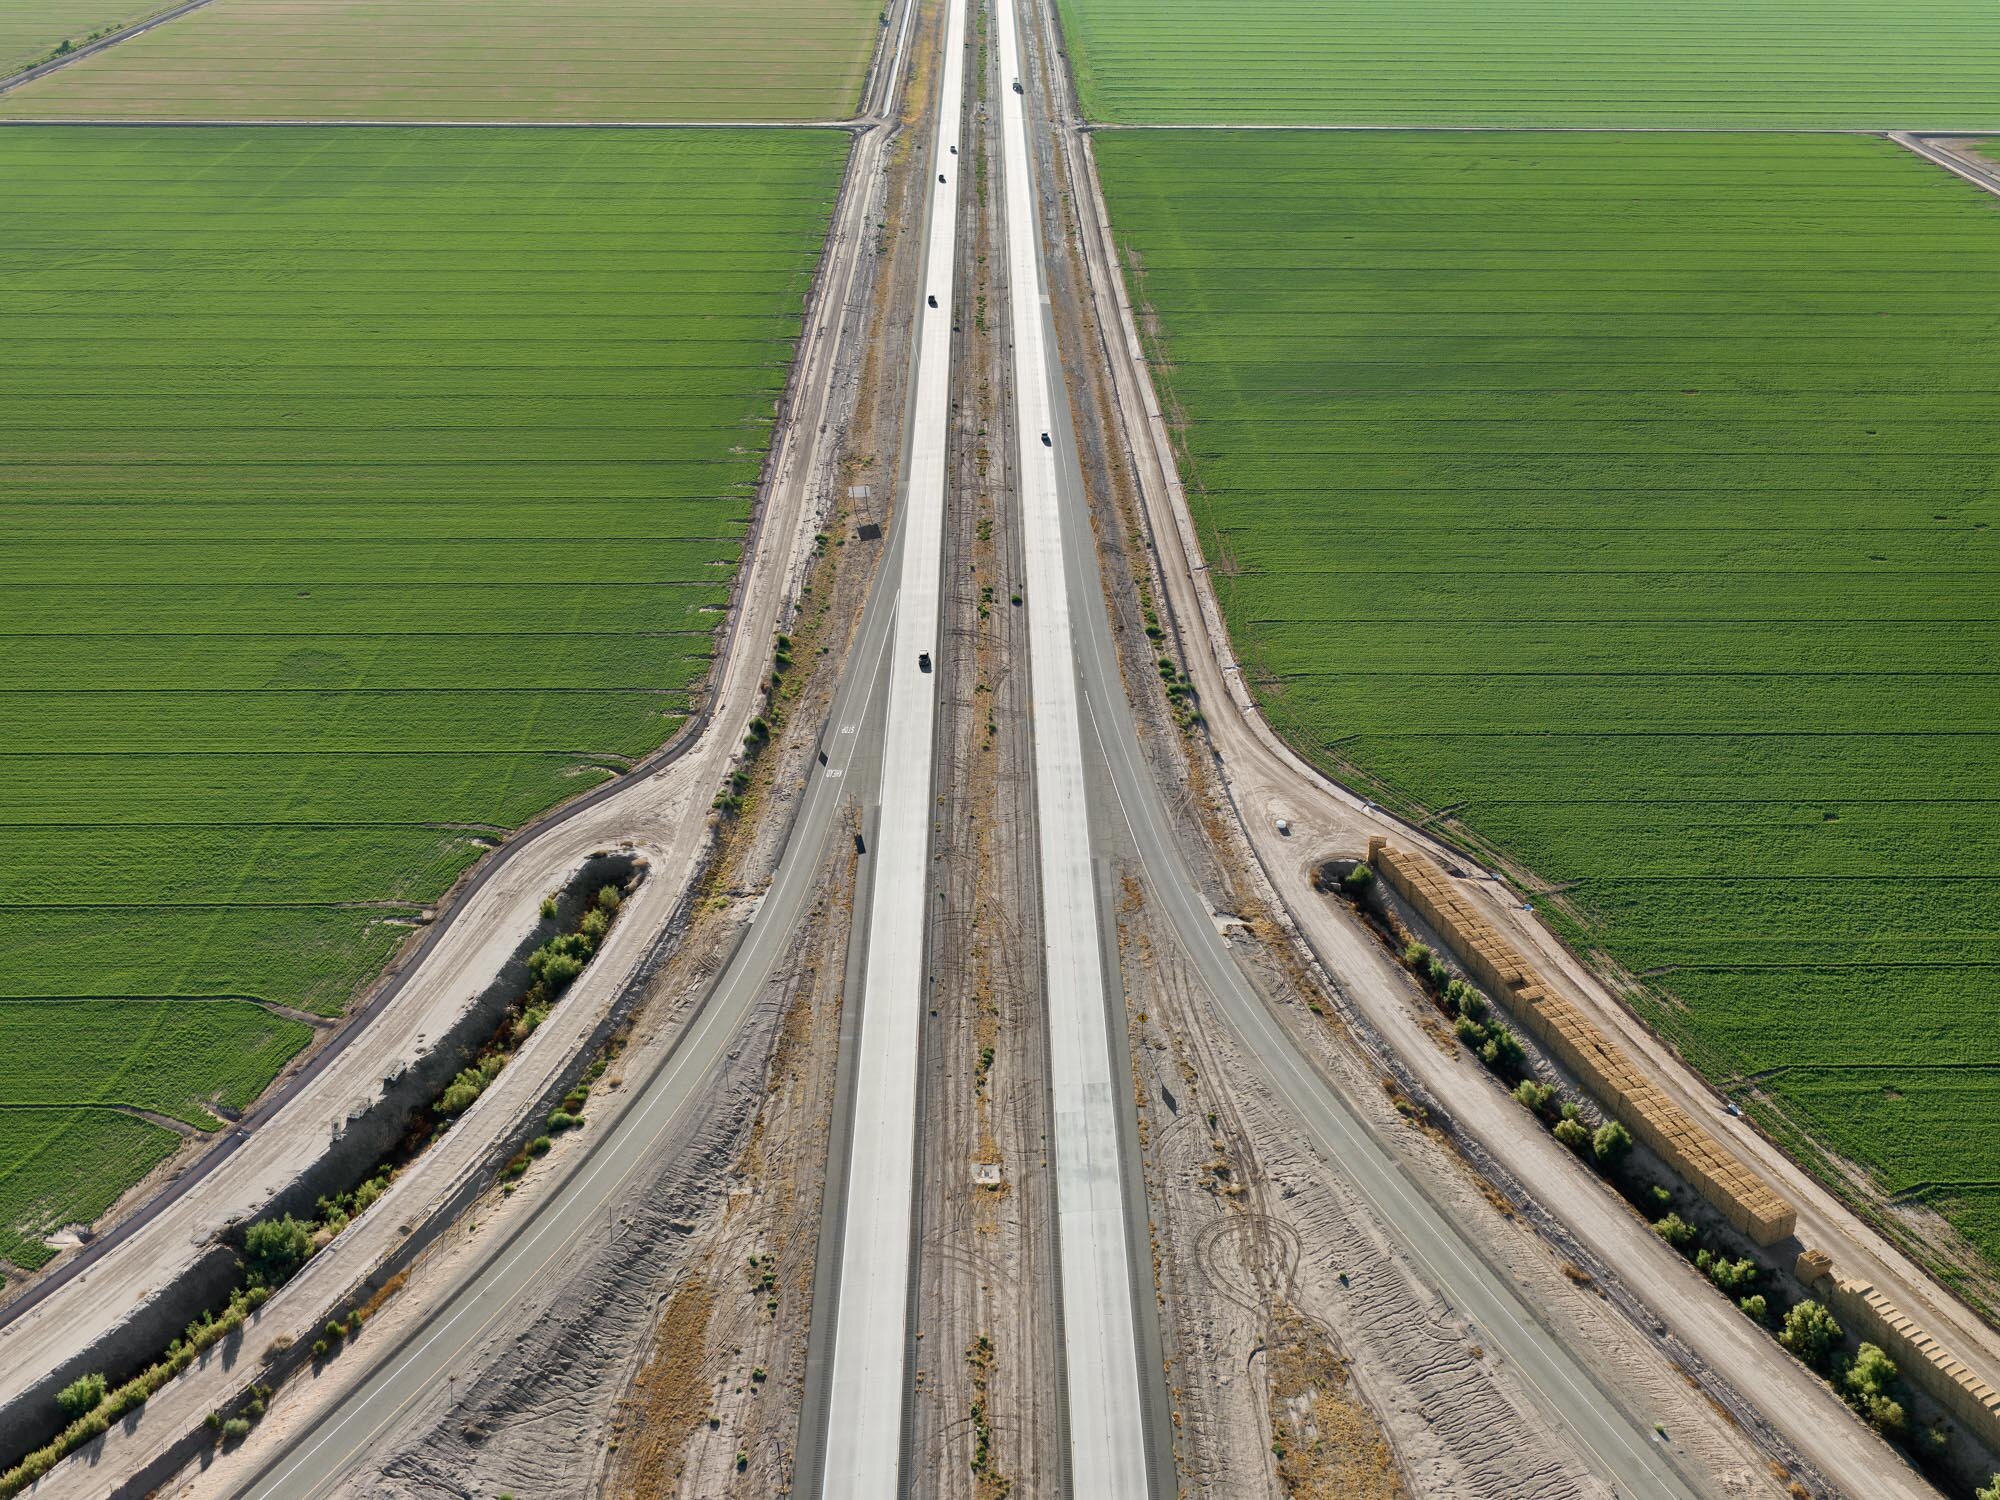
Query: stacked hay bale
1736,1193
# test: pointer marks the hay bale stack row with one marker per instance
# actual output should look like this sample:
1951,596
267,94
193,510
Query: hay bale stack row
1498,966
1923,1361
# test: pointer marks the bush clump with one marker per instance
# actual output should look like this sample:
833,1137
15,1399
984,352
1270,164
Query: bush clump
463,1091
274,1249
81,1395
1812,1334
1870,1386
1611,1144
1736,1277
1465,999
1676,1231
1539,1097
1502,1051
1573,1135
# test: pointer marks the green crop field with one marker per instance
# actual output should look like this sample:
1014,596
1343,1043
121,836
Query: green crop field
1631,496
1564,62
368,491
30,30
477,60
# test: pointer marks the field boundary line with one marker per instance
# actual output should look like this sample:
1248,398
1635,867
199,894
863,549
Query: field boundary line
1094,127
125,34
852,123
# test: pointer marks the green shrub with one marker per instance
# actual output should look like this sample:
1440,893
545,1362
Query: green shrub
235,1429
1417,955
1502,1051
1535,1096
1470,1032
1812,1334
275,1248
1676,1231
471,1082
1755,1308
539,1146
81,1395
1358,882
561,1120
1573,1135
1612,1143
548,908
1735,1277
1990,1490
1466,999
1869,1385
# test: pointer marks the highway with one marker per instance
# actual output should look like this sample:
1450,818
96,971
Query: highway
868,1375
1619,1443
1108,1444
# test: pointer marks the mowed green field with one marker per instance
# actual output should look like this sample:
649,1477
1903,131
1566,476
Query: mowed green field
368,491
1633,497
31,29
477,60
1620,63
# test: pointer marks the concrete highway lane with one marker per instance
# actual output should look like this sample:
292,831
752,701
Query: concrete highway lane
1108,1444
861,1445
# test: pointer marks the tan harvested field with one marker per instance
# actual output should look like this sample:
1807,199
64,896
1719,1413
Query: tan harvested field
724,60
32,29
